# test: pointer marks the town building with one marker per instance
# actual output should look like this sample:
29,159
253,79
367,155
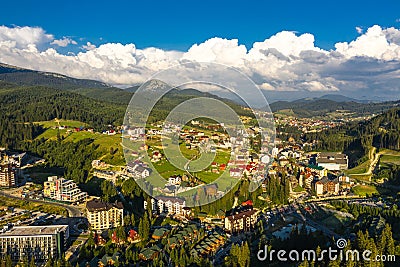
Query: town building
333,161
63,190
39,242
325,185
138,169
103,215
241,220
169,205
174,180
7,175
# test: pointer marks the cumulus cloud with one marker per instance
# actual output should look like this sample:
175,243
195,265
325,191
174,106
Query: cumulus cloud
286,61
88,46
359,30
64,42
22,37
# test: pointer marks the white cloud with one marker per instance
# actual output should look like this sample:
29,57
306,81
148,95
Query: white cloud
374,43
64,42
21,37
359,30
88,46
286,61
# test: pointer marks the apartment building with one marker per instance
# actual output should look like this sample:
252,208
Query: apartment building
63,190
39,242
103,215
169,205
241,220
7,175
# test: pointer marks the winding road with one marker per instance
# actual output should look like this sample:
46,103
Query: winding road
72,211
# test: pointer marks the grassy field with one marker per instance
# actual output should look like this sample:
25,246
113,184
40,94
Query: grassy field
32,206
363,190
390,159
359,169
106,142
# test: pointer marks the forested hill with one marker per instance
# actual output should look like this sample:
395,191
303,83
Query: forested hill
90,88
382,131
20,106
23,105
307,108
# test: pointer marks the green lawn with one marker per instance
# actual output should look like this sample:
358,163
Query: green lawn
363,190
359,169
105,142
391,159
54,123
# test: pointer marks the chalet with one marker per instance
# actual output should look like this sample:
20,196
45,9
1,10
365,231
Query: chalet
107,260
160,233
174,180
151,253
133,236
235,172
138,169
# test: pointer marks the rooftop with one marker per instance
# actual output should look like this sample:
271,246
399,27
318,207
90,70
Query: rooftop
98,205
35,230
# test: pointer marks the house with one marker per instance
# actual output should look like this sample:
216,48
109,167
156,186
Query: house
138,169
319,170
211,189
174,180
149,253
160,233
156,156
132,236
344,179
235,172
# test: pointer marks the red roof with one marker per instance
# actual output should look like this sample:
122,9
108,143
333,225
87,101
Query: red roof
247,203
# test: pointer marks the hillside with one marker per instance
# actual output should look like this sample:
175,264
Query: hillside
89,88
312,107
357,138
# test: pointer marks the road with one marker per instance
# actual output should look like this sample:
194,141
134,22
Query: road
72,211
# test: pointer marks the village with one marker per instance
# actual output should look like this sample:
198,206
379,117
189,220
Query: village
310,176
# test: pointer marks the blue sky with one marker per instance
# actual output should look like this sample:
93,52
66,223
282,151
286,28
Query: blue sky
179,24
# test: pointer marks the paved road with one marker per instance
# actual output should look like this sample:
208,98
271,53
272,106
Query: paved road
72,211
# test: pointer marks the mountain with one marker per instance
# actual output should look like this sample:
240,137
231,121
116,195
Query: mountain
341,98
311,107
28,96
90,88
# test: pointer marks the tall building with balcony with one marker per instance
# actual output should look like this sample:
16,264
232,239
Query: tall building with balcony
39,242
241,220
63,190
103,215
168,205
7,175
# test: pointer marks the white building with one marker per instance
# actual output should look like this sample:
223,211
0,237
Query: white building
333,161
103,215
175,180
169,205
63,190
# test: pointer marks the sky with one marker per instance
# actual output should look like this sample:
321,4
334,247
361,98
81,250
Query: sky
351,47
